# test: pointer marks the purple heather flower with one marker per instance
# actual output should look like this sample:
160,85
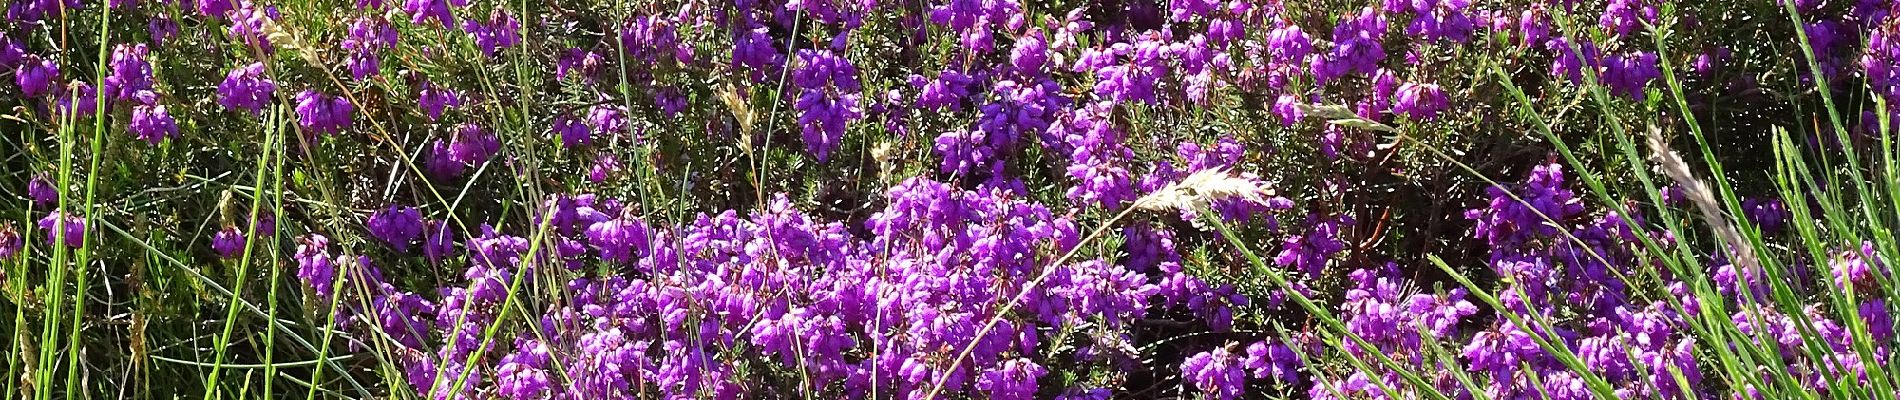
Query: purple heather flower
441,163
424,10
1309,253
75,228
946,91
1861,268
314,264
12,52
1420,102
370,33
473,144
753,51
41,190
213,8
1288,44
1013,380
10,242
654,39
1706,63
35,11
363,64
1508,222
248,22
1287,106
501,31
1097,158
246,88
229,242
974,22
604,167
434,100
1571,58
152,123
608,120
523,374
1385,85
584,63
1133,70
161,28
572,131
670,101
1218,372
1622,17
1086,394
80,100
130,72
1533,25
322,113
437,241
1356,47
1030,55
619,240
1771,215
1272,360
827,99
1187,10
266,225
36,76
396,226
1628,75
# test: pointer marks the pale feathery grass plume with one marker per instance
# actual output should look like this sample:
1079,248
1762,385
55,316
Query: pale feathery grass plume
741,114
1199,189
284,38
1671,164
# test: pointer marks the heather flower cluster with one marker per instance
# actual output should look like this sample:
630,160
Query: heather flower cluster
803,296
984,199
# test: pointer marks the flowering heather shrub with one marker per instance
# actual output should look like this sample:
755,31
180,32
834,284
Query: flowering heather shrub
996,199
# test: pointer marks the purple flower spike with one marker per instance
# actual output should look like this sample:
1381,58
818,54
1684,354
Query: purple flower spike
41,190
437,241
573,132
827,99
248,23
604,168
247,89
1014,380
501,31
583,63
1272,360
10,242
396,226
161,28
213,8
36,76
152,124
75,228
473,144
229,242
434,100
424,10
1218,372
80,100
322,113
314,264
442,163
1420,102
130,73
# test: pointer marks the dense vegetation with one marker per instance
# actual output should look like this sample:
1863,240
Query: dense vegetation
984,199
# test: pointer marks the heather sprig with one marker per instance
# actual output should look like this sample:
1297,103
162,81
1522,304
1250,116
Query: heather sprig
1400,199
